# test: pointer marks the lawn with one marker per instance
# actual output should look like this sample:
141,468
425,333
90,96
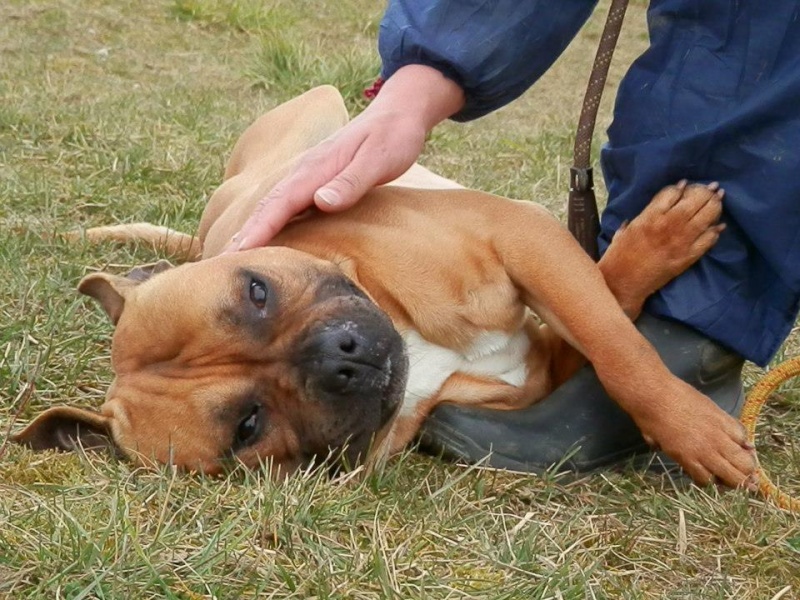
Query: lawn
116,112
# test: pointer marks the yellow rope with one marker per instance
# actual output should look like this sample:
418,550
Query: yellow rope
752,407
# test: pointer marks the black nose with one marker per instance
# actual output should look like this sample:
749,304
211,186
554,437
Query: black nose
348,360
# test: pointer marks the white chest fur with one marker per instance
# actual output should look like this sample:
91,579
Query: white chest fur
493,355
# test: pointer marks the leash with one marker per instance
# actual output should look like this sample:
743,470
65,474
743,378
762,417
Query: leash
583,220
750,411
584,224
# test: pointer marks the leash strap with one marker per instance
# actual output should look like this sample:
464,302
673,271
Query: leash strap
582,216
750,411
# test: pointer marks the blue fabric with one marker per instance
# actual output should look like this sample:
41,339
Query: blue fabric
494,49
716,97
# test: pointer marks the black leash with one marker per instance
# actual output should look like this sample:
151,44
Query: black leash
582,217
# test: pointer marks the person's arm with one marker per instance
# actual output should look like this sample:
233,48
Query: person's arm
377,146
441,59
494,50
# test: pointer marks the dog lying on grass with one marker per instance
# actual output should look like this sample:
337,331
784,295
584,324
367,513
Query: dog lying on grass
340,338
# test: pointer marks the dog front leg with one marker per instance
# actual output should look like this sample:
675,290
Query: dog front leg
567,290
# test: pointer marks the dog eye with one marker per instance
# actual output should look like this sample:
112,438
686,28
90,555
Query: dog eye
249,428
258,293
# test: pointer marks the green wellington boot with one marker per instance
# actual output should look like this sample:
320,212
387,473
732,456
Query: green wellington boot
579,427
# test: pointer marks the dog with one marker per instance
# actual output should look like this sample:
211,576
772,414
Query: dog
339,339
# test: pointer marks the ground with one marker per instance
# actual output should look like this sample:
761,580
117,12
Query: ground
124,111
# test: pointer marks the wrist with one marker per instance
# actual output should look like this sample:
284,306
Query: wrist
422,93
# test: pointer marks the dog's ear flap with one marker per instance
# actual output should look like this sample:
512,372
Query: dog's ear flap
109,290
67,428
112,290
142,273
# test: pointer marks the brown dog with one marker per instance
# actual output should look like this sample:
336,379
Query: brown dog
355,325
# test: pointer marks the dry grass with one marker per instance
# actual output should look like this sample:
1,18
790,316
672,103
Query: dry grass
114,112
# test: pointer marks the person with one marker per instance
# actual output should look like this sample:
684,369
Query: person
713,98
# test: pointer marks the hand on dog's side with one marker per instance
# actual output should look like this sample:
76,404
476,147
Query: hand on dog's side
374,148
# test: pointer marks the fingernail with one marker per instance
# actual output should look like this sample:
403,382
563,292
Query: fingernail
241,244
235,237
328,196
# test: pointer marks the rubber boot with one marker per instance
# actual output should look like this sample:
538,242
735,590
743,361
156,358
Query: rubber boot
579,427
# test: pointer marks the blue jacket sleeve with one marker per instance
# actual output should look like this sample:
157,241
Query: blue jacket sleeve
494,49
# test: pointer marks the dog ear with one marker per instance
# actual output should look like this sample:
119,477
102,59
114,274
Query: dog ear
109,290
67,428
112,290
142,273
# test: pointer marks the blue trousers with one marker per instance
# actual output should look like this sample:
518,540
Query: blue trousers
716,97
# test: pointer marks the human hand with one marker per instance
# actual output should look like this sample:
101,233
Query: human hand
376,147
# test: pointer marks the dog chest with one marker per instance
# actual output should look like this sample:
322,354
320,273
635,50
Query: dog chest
492,355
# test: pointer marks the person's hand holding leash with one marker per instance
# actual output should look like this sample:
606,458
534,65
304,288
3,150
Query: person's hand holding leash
376,147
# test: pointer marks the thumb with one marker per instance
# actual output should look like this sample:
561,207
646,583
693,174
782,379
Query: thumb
355,180
342,192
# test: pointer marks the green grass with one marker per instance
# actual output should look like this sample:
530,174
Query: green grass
119,112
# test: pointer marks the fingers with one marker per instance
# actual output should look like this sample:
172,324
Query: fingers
359,176
383,153
289,198
300,190
334,175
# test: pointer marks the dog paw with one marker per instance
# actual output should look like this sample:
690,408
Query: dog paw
678,226
709,444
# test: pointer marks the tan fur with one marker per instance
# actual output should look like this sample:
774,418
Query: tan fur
448,263
180,246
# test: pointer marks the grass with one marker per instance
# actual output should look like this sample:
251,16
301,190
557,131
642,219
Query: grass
119,112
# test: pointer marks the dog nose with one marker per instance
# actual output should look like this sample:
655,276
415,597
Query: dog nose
349,360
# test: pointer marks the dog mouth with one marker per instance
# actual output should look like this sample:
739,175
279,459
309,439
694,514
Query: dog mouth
366,439
355,368
396,376
367,390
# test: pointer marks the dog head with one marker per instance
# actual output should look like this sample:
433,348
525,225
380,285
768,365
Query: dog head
266,355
